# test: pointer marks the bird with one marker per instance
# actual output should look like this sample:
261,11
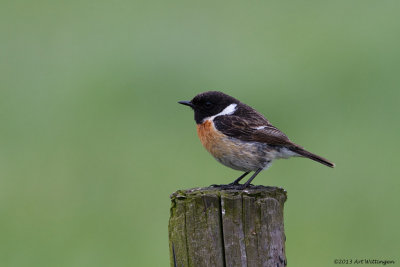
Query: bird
240,137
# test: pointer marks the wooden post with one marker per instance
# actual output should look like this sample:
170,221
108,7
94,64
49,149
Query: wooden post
214,227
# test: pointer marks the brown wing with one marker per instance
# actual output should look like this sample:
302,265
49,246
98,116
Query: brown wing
251,130
254,130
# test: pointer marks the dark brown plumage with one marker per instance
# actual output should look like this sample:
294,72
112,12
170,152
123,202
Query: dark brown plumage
247,130
240,137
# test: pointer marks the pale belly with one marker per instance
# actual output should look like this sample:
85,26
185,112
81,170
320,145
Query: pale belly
245,156
237,154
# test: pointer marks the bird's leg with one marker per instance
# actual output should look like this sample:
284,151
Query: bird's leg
232,185
236,182
246,184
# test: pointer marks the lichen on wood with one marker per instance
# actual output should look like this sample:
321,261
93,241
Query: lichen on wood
227,227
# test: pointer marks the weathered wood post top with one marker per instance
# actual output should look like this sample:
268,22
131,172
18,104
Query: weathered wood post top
225,226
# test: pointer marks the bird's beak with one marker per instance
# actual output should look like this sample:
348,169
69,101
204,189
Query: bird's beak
186,103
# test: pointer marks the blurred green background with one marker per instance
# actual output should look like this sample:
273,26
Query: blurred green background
92,140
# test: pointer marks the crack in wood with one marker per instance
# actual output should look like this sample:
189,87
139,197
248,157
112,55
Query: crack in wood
227,227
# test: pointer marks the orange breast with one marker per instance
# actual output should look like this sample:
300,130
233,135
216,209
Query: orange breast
210,138
234,153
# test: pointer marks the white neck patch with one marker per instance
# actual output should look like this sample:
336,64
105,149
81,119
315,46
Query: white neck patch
227,111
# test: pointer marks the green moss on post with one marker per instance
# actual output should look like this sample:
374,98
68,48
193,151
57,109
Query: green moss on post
214,227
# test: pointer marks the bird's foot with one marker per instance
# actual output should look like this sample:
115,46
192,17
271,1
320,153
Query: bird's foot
243,186
222,186
231,186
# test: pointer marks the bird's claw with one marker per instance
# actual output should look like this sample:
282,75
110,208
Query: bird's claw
231,186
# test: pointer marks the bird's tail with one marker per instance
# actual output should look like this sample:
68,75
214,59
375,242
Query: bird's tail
305,153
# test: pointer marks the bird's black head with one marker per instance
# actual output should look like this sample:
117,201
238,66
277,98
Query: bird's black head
208,104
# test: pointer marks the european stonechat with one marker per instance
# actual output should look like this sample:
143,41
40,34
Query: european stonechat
240,137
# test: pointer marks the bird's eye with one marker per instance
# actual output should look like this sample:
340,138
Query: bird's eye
208,104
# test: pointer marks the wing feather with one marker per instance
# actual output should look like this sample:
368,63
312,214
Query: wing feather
258,130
